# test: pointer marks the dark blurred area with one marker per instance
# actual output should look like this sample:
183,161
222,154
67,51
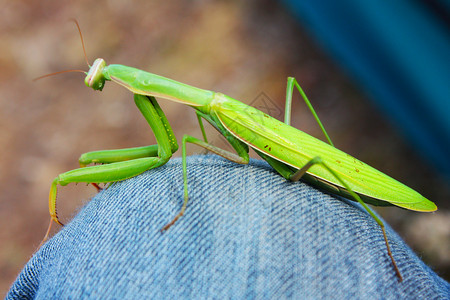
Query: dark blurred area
242,49
398,53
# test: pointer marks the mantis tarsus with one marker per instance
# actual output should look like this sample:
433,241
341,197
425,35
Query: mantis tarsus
291,152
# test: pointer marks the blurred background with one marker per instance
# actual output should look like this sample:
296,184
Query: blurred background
243,49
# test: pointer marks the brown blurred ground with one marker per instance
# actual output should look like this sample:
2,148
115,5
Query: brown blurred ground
240,49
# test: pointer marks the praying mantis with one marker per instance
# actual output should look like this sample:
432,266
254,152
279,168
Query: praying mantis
292,153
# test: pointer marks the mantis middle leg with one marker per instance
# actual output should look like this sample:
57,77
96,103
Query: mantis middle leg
241,157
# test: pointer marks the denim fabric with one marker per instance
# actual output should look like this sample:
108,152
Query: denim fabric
247,233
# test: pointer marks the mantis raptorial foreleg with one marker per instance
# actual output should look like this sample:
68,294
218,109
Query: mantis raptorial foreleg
116,155
287,113
122,164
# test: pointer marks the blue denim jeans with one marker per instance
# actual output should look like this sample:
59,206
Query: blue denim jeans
247,233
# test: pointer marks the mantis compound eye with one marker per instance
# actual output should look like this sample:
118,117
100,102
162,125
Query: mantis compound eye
95,78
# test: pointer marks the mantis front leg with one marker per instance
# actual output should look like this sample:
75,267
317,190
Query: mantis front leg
152,112
116,155
121,164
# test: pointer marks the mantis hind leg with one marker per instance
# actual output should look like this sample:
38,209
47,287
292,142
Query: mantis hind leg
292,82
295,175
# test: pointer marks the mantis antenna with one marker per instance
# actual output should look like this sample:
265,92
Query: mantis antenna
67,71
82,41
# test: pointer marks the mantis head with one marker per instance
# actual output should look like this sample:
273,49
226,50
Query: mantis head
95,78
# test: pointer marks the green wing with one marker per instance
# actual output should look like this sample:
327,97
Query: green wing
295,148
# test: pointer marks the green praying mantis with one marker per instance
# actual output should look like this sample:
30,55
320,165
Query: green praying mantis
292,153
